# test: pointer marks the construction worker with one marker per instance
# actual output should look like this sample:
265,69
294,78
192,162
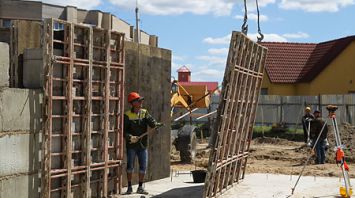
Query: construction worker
306,121
136,122
316,129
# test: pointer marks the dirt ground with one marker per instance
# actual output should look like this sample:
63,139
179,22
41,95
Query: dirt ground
280,156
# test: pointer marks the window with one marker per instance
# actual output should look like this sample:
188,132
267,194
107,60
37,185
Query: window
264,91
6,23
58,26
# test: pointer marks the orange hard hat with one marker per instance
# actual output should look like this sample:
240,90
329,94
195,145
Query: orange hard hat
134,96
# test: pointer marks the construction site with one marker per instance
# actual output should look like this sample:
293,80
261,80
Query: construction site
66,72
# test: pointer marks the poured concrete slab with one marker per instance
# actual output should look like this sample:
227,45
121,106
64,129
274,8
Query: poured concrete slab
270,185
254,185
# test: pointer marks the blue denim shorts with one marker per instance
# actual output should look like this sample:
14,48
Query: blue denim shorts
142,155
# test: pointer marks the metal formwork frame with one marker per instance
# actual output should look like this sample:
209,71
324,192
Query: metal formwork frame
83,116
236,114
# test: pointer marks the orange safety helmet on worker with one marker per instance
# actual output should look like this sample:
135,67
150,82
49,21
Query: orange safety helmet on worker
134,96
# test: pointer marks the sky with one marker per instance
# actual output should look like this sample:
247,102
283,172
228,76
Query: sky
198,31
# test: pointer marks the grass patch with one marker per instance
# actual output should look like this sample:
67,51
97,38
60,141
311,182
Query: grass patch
291,134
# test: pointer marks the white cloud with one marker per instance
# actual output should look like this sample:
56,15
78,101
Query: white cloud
213,60
207,74
251,5
173,7
218,41
254,17
84,4
269,37
178,58
315,5
297,35
216,51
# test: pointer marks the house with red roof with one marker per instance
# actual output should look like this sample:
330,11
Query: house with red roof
310,68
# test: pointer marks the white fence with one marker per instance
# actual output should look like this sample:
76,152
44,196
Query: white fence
289,109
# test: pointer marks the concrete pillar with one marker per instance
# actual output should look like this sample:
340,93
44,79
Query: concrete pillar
99,17
72,14
153,41
4,64
106,21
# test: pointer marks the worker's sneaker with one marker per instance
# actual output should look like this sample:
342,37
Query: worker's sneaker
140,190
129,190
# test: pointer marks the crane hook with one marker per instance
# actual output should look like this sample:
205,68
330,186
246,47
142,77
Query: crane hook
245,25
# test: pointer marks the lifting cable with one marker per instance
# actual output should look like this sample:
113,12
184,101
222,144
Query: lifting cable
261,36
244,28
245,25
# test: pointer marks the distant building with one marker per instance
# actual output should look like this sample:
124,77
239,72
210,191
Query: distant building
310,68
184,78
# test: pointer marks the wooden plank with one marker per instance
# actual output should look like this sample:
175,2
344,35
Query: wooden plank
106,109
87,133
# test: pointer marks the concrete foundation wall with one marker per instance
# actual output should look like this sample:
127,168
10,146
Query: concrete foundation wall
20,144
37,11
4,64
150,76
149,73
5,35
20,10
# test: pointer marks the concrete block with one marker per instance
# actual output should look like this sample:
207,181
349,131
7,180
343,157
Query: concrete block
33,54
22,186
20,110
33,68
4,64
19,154
33,76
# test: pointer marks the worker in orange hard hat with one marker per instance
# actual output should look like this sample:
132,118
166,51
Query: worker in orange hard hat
136,122
306,122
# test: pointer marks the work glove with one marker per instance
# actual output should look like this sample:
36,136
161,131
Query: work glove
158,124
133,139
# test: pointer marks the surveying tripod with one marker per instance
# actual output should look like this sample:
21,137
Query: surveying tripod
340,158
347,191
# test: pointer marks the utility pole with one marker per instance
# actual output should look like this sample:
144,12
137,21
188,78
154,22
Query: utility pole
138,32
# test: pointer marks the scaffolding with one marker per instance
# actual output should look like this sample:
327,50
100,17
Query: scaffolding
83,110
236,114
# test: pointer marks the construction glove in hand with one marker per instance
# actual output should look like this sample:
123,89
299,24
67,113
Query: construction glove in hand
158,124
133,139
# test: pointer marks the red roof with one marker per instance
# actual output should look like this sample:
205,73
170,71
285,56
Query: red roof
301,62
210,85
183,69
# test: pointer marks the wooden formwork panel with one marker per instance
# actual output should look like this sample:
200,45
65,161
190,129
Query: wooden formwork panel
84,91
236,114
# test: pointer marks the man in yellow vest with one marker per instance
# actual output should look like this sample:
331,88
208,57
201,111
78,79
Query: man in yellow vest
136,122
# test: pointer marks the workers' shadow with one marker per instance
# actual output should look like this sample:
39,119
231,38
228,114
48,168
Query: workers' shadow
191,192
